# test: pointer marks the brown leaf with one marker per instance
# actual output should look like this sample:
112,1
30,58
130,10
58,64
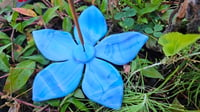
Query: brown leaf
24,11
127,69
6,3
182,10
112,4
14,107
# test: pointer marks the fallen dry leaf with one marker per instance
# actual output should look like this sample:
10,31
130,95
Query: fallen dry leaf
24,11
14,107
127,68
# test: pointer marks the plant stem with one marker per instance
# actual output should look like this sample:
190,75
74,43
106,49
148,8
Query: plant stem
71,4
166,80
25,103
93,2
19,101
4,76
12,46
162,62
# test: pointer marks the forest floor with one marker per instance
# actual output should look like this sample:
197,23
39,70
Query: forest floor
163,77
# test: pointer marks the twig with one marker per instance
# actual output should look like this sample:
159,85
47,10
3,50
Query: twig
93,1
5,30
189,55
2,19
26,103
150,66
12,46
77,1
23,93
47,3
109,30
4,76
170,2
71,4
43,108
20,101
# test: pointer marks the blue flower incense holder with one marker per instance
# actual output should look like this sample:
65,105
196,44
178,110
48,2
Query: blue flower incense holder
89,64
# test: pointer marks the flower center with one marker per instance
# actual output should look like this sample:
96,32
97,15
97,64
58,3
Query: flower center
84,56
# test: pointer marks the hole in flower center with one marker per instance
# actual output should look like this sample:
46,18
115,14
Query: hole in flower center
84,55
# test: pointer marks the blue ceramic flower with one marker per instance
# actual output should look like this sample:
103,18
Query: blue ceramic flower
101,82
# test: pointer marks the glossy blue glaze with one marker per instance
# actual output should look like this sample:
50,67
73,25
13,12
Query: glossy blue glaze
84,54
92,24
57,80
53,44
101,83
121,48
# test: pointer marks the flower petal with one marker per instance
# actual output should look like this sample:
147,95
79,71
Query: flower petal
57,80
54,45
103,84
121,48
92,24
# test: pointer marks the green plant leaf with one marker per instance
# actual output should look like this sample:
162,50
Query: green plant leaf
20,39
157,34
58,3
54,103
19,75
153,44
191,110
142,20
4,36
178,104
67,24
134,108
12,18
127,12
79,94
158,28
156,2
4,62
139,2
67,9
148,30
134,65
152,73
80,105
118,15
38,58
149,7
4,47
64,104
38,7
81,8
49,14
20,26
127,23
29,21
29,49
139,63
64,107
174,42
103,6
